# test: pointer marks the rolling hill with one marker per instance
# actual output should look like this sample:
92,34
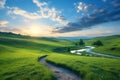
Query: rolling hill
19,59
111,45
19,55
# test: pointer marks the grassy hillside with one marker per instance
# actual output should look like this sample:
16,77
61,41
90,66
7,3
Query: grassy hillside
32,43
20,64
89,68
19,57
111,45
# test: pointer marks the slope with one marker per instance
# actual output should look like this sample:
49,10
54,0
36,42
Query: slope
111,45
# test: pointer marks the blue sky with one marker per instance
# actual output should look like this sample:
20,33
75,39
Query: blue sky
60,18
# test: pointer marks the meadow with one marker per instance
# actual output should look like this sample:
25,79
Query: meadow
21,64
89,68
19,59
111,45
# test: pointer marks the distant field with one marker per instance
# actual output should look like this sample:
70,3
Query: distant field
90,68
111,45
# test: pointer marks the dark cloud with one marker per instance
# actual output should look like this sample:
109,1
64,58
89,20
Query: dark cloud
116,3
95,18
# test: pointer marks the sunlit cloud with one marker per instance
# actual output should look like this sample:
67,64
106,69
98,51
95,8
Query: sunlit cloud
23,13
3,23
99,30
30,27
40,4
51,13
43,12
37,30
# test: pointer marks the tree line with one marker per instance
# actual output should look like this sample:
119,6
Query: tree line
95,43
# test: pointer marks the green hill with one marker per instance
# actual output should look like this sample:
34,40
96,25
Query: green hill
19,59
111,45
32,43
19,54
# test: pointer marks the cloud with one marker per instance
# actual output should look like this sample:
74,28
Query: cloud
51,13
96,16
39,4
18,11
116,3
37,28
91,20
3,23
82,7
8,29
2,3
44,12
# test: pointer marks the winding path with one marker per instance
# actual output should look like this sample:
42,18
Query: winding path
61,73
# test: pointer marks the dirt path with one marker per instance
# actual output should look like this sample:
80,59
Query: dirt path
61,73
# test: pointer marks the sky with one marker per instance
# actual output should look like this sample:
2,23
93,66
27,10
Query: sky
57,18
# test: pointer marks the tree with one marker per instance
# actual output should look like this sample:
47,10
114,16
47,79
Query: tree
68,49
97,43
81,42
76,43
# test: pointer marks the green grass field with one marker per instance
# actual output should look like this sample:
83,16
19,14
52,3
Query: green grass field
111,45
21,64
90,68
19,59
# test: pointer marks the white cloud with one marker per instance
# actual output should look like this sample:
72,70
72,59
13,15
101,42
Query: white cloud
82,7
44,12
2,3
3,23
18,11
51,13
39,4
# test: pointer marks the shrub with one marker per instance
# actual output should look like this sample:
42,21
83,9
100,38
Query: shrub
97,43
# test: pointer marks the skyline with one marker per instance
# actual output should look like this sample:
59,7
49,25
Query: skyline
60,18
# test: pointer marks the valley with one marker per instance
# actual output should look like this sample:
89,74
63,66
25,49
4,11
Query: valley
19,60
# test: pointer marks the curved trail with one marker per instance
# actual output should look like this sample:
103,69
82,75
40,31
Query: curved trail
61,73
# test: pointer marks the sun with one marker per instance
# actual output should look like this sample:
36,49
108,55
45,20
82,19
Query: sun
37,29
34,31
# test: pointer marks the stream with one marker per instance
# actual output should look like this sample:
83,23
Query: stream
89,50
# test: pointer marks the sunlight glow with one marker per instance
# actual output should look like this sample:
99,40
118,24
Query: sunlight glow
34,31
37,29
